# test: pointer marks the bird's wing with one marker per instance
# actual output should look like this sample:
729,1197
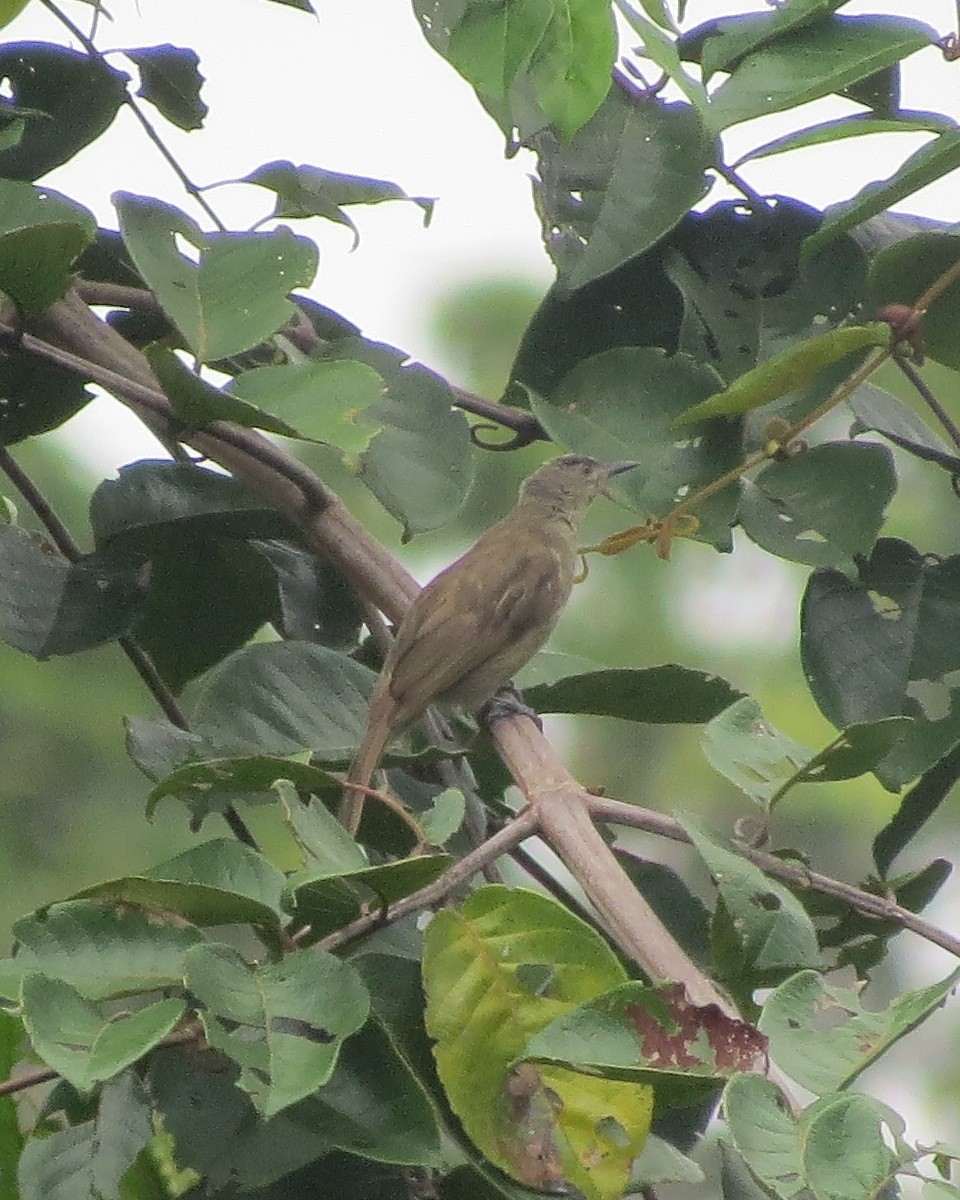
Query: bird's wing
467,620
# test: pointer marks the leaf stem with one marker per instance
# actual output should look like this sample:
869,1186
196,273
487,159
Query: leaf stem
924,391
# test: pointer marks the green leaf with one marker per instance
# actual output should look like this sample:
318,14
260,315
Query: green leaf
41,234
773,932
11,1139
823,57
791,369
316,604
100,949
901,274
665,695
154,500
58,1166
283,697
36,396
595,411
170,80
826,1059
235,295
824,507
881,412
926,165
283,1023
10,9
50,606
845,1155
157,747
663,51
627,178
755,757
885,645
533,62
78,95
305,191
661,1162
857,125
444,817
495,973
219,882
124,1127
420,466
760,1127
71,1035
326,844
249,773
322,399
916,807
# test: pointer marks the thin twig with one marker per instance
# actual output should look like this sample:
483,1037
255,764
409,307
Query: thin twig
924,391
141,661
619,813
187,183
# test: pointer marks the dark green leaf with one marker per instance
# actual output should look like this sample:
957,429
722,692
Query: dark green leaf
232,775
101,949
902,273
235,296
597,410
124,1127
814,61
170,80
11,1139
766,1137
723,43
58,1167
930,163
158,499
857,125
886,645
824,507
41,235
283,1023
682,912
305,191
78,93
627,178
157,747
49,606
283,697
877,410
755,757
36,396
316,604
664,695
916,807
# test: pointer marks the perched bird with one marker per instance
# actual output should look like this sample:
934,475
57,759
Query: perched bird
482,618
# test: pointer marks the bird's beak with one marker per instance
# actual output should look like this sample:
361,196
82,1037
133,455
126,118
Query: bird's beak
615,468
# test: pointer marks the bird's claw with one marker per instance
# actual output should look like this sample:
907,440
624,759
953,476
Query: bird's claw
508,703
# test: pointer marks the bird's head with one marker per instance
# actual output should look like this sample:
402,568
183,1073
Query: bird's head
569,483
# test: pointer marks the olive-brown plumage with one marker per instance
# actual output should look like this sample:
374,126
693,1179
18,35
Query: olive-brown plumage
481,619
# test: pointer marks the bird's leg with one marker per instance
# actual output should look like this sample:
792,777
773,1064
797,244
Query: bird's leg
508,703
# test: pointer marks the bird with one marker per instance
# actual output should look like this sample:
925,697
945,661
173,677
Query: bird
484,617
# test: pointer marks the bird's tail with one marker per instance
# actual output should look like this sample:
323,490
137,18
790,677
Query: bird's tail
375,738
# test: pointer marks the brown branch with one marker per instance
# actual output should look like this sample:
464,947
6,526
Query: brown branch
881,907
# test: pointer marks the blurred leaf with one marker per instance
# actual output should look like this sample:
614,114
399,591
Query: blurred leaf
885,645
916,807
219,882
235,295
531,63
305,191
926,165
41,235
100,949
826,1058
323,399
626,179
157,747
495,972
595,411
902,273
124,1127
444,817
50,606
773,932
660,1162
823,57
665,695
283,697
79,94
58,1166
283,1023
10,9
71,1035
11,1139
160,499
678,907
36,396
170,80
824,507
794,368
256,773
856,125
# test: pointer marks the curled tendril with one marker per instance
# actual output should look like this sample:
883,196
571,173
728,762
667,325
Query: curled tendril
521,437
658,533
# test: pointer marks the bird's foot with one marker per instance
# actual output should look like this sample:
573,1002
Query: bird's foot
508,703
